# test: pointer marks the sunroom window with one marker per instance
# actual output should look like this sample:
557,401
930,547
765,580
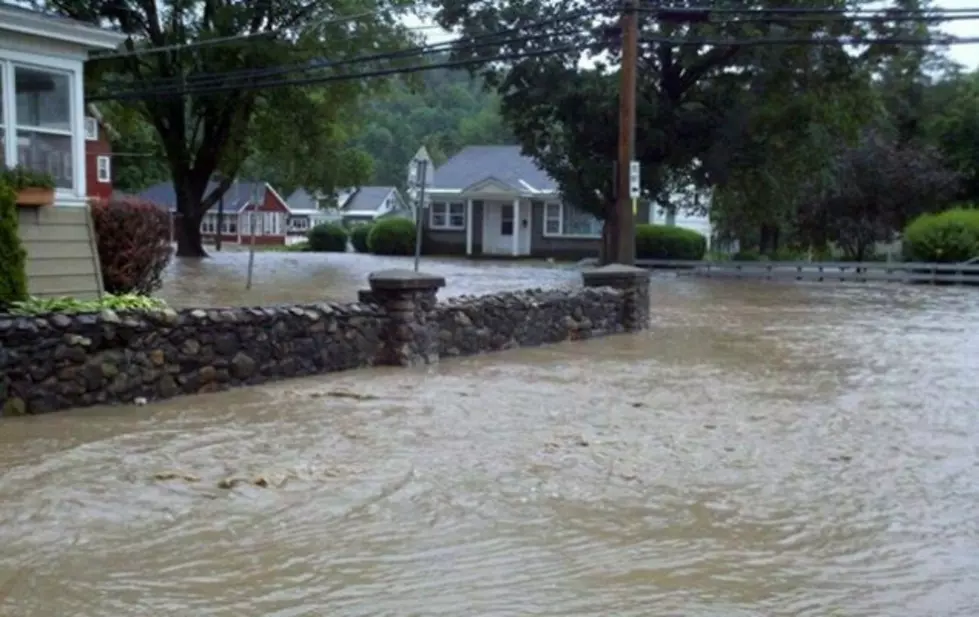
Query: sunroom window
42,118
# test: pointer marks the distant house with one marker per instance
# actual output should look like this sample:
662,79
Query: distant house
305,213
366,204
240,201
98,155
494,201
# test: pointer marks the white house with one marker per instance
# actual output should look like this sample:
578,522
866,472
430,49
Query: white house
42,126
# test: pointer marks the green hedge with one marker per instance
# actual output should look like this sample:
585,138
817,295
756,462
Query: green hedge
394,236
665,242
947,237
13,258
327,237
358,237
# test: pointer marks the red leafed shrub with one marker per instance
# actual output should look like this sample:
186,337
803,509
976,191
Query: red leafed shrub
133,237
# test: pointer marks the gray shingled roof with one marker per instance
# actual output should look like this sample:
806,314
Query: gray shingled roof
367,198
235,198
302,200
505,163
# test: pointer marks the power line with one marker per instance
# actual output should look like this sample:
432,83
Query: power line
307,81
837,41
205,79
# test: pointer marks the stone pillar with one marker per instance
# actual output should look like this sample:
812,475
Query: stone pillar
634,282
411,336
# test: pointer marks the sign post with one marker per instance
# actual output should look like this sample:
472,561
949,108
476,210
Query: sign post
252,219
419,207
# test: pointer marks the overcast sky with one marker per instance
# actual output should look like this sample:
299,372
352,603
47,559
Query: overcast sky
967,55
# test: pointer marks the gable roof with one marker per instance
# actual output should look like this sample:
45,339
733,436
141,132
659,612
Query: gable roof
236,197
301,199
50,25
367,199
504,163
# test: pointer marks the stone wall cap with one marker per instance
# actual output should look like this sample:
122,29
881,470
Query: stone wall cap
615,272
404,279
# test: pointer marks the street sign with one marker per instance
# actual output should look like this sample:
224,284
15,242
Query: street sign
634,179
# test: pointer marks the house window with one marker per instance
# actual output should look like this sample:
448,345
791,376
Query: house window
42,119
447,215
229,225
564,220
91,129
299,223
103,167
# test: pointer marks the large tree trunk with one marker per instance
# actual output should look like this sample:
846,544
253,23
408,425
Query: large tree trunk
190,213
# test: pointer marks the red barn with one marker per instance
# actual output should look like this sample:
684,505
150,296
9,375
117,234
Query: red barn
98,156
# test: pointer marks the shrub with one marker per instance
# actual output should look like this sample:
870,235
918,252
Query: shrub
394,236
948,237
127,302
327,237
358,237
23,178
666,242
13,259
133,238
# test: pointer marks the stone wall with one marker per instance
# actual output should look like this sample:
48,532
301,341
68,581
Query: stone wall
60,361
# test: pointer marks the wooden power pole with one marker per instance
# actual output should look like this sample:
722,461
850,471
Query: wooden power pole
626,241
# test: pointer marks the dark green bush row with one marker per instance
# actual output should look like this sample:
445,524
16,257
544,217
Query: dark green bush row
13,258
665,242
393,236
327,238
358,237
947,237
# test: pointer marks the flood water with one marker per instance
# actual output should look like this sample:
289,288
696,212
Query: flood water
766,449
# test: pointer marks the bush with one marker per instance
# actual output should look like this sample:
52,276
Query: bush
133,238
394,236
666,242
948,237
327,238
358,237
126,302
13,258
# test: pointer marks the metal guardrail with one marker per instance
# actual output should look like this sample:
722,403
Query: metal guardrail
863,272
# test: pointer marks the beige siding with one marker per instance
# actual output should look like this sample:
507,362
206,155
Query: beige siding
61,254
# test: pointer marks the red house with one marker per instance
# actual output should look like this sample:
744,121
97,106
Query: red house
98,156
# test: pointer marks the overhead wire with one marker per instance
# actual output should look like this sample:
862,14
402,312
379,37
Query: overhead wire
204,84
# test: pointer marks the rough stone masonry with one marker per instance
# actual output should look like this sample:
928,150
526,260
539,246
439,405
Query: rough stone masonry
60,361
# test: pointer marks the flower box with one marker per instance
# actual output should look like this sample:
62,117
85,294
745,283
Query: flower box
35,197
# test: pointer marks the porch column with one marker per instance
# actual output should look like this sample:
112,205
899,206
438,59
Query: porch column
469,227
516,227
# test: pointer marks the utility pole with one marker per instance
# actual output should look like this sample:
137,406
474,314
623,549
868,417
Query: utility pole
626,241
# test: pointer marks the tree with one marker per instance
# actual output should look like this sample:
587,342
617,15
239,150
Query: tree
953,125
204,132
873,189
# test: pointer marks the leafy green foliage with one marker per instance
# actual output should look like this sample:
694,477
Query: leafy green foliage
667,242
13,258
392,236
207,133
21,177
133,239
327,237
872,190
952,123
947,237
358,237
124,302
444,110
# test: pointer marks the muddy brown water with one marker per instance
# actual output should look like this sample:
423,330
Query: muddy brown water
767,449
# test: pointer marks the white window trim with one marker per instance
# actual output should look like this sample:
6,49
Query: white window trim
560,233
100,168
91,129
75,196
448,226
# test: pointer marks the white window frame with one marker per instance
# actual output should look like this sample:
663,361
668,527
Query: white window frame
91,129
560,219
103,168
446,208
9,59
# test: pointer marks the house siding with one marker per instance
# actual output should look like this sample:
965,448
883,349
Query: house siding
559,248
93,150
62,259
444,242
